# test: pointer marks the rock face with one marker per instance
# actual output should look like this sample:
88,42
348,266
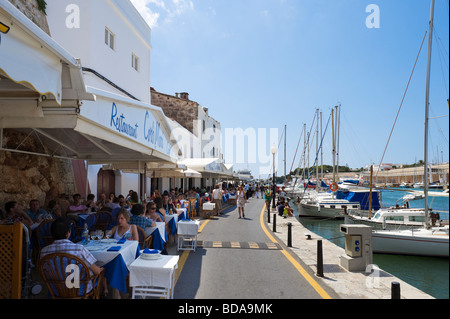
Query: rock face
31,10
24,177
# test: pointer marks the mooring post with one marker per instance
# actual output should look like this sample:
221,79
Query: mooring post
395,290
289,235
319,259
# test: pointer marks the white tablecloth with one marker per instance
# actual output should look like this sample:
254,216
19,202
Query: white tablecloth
169,218
128,252
182,212
153,273
161,226
189,228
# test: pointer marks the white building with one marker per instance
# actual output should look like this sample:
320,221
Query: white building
110,38
113,43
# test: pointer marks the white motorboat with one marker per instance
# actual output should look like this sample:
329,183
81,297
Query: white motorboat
414,242
325,205
390,218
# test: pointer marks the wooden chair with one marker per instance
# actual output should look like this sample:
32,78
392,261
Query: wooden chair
192,208
103,220
144,240
54,271
11,237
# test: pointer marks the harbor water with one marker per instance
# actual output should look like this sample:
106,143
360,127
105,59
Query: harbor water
428,274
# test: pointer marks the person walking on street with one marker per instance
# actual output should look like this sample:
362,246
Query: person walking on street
241,199
217,199
268,197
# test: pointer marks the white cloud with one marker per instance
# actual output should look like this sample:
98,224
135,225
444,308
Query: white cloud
153,10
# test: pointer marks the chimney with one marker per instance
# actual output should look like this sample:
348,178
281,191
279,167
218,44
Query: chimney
184,96
206,110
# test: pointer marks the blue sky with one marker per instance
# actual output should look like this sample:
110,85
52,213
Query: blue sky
269,63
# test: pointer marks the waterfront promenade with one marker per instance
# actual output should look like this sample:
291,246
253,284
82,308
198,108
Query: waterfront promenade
244,259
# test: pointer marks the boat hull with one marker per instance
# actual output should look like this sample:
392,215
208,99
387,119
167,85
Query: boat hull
413,245
307,210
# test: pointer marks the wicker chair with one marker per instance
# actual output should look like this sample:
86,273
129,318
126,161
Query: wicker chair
144,240
103,220
44,235
53,269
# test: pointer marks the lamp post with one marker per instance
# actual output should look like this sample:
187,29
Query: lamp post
274,188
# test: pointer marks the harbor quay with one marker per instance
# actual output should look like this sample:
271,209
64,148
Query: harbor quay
376,284
225,250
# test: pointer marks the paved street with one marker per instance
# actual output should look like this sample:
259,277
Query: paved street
237,260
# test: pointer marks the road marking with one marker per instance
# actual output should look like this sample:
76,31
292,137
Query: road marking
203,225
181,263
300,269
235,244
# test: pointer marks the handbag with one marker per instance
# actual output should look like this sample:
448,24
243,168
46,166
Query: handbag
241,200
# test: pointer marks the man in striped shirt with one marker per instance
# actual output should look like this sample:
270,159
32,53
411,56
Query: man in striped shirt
61,232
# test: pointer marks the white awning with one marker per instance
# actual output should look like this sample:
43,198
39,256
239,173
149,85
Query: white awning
207,166
28,56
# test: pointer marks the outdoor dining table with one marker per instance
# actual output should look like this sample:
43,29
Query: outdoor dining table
182,213
116,257
154,277
159,235
188,230
172,221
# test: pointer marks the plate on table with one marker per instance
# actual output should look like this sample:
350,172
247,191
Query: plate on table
95,247
150,256
109,241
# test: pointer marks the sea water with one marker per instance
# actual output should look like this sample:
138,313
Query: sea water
431,275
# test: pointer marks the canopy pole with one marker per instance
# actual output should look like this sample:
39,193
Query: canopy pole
87,179
139,180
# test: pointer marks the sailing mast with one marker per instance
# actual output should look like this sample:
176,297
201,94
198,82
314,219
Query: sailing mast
427,107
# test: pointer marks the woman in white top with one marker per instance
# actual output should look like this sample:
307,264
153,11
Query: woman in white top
123,229
241,199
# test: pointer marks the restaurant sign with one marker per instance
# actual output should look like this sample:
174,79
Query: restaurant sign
133,121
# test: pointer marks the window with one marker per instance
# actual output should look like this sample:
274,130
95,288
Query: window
135,62
110,38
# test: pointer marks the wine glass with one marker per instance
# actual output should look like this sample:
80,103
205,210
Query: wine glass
108,234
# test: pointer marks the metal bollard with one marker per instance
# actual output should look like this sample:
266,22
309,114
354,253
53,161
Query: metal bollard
274,223
268,216
395,290
289,243
319,259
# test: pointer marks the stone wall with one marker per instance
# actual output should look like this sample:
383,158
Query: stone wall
179,109
31,10
24,177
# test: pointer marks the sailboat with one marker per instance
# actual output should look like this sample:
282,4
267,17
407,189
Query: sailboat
427,240
336,200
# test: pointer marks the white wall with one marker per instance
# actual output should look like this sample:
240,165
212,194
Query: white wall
210,137
132,35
